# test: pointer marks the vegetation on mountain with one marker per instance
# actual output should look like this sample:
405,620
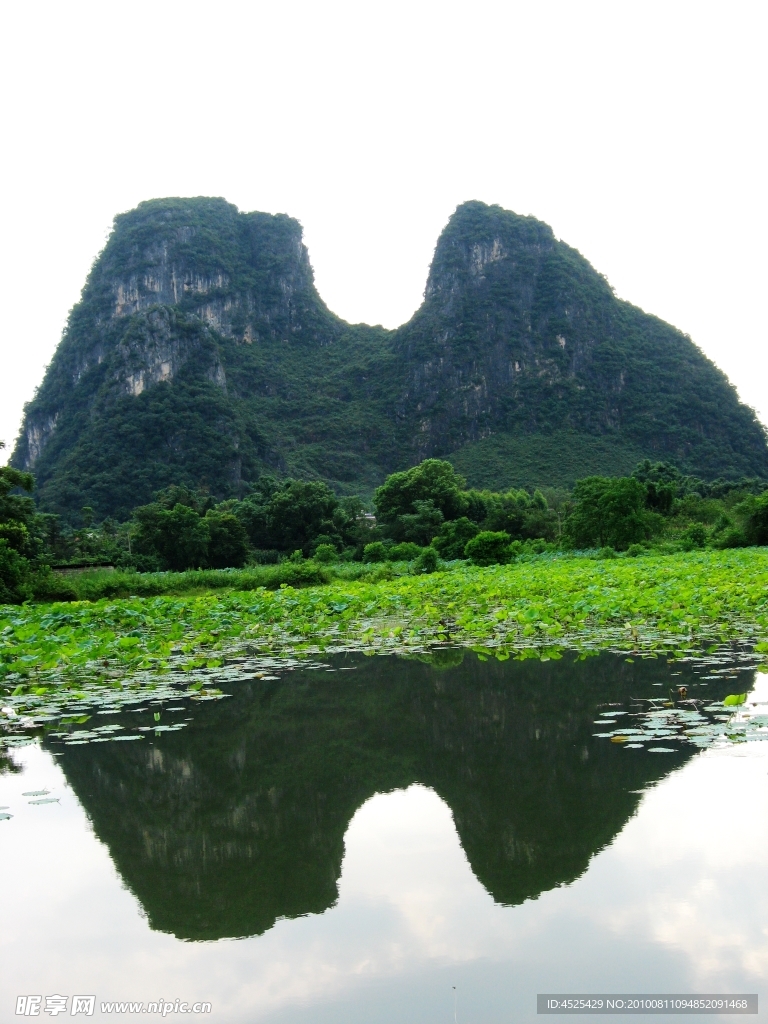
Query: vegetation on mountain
201,355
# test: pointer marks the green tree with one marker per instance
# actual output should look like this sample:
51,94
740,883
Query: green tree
299,512
17,534
753,512
14,575
326,553
228,541
178,536
609,512
432,480
420,526
522,515
453,537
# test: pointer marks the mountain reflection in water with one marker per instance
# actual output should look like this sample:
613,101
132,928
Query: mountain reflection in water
238,820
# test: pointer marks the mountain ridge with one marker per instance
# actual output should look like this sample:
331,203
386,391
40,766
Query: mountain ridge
201,353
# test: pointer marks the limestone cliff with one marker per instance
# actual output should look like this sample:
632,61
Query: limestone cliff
201,352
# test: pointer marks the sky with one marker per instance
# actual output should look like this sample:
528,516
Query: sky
637,130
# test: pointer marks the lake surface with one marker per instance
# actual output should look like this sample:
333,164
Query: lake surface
390,840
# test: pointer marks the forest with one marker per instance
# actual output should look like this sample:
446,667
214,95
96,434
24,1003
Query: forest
300,532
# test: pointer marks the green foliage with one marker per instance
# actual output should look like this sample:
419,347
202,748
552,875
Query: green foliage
694,537
178,536
300,514
753,512
523,355
375,552
427,561
15,582
488,548
521,515
325,554
227,540
420,498
419,526
19,534
609,512
659,604
404,552
452,539
554,459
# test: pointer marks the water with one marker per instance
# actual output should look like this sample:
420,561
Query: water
390,841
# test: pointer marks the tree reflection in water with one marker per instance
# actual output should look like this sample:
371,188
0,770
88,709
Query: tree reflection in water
224,827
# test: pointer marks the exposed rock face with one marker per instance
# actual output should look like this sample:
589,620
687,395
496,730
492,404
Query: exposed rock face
200,352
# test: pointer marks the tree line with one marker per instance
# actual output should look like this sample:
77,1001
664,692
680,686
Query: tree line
422,515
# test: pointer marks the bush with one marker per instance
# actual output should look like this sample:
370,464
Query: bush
694,537
606,553
375,552
405,552
326,553
754,514
15,584
731,537
427,561
489,548
634,550
453,537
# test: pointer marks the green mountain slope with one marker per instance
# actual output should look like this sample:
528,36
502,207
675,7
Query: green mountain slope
201,353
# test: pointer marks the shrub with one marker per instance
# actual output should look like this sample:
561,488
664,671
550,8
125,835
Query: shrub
453,537
14,575
488,548
694,537
607,553
405,552
754,514
731,537
326,553
427,561
634,550
375,552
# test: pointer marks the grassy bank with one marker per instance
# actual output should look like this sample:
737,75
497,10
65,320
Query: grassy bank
527,609
96,585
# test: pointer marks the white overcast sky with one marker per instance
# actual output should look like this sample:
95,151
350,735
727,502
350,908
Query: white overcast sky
636,129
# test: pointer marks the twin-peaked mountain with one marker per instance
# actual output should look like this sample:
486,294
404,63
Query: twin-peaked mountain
201,353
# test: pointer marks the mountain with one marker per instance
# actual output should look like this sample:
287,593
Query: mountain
239,819
201,353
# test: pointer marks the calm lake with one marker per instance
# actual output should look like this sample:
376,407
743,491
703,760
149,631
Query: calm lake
380,839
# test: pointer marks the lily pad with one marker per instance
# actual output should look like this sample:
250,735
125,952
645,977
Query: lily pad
46,800
661,750
5,817
37,792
